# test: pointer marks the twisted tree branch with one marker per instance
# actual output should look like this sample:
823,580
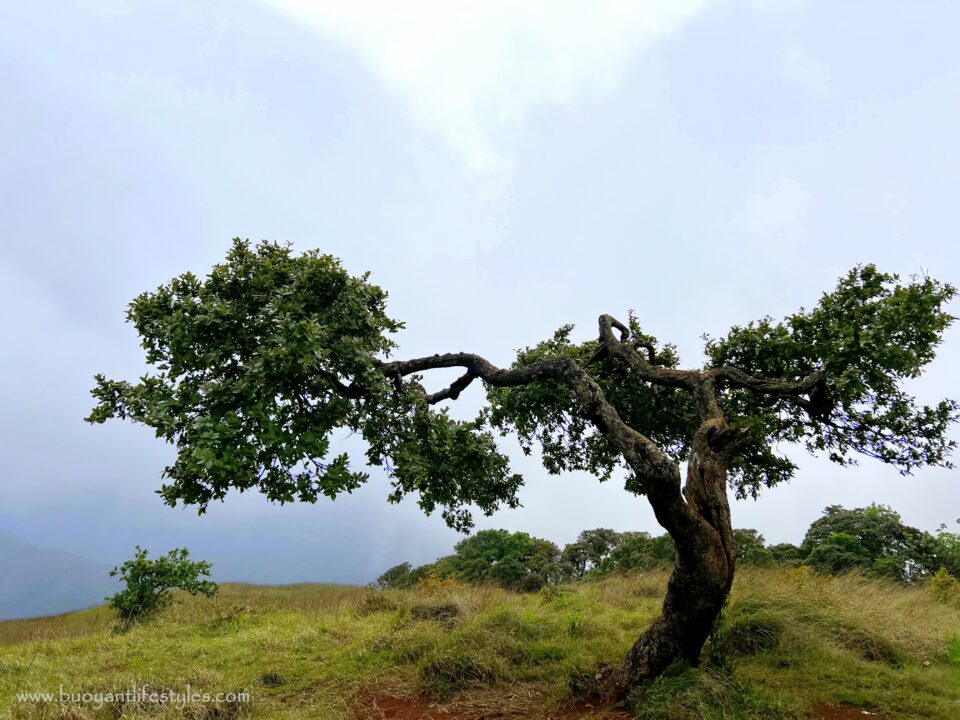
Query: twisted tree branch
452,392
766,386
657,474
702,384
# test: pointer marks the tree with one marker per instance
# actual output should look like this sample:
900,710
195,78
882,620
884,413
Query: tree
575,560
873,539
840,552
598,544
399,576
785,554
494,555
149,583
749,548
443,568
515,561
543,565
640,551
589,551
946,551
257,364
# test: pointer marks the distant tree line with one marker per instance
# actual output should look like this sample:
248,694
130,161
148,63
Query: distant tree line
873,540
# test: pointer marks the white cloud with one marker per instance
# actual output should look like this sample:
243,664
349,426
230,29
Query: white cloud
472,69
799,65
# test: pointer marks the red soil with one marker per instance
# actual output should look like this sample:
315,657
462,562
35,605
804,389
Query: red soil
368,706
822,711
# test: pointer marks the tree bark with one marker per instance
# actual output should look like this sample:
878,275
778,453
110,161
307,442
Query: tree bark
703,573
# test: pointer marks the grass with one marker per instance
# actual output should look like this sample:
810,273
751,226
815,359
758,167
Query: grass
787,640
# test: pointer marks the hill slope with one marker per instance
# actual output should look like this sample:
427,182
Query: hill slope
791,646
43,581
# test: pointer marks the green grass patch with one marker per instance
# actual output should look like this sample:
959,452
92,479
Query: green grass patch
788,639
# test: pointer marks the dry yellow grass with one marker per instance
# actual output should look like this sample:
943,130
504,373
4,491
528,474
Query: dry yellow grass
76,624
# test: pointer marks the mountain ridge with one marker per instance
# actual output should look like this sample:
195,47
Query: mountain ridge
39,580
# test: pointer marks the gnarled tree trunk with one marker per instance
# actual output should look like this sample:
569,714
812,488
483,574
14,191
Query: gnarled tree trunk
704,569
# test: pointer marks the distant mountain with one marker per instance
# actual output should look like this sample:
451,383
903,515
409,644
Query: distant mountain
47,581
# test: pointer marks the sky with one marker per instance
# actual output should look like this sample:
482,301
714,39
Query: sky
502,168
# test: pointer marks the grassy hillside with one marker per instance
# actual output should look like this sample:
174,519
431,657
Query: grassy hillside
791,646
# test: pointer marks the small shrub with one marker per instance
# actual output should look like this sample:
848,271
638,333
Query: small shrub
375,602
750,635
271,678
449,674
943,586
554,593
149,583
444,613
869,647
953,651
434,582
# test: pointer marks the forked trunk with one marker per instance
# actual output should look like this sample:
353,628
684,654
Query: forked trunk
702,576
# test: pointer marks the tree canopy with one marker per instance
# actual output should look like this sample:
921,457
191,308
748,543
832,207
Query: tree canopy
875,540
515,561
255,367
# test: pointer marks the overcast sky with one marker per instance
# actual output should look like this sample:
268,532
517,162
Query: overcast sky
502,168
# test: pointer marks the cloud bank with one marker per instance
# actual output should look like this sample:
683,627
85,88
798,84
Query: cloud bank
471,71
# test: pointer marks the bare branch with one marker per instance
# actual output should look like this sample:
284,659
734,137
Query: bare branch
702,385
814,386
642,366
652,467
655,472
480,367
452,392
651,351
